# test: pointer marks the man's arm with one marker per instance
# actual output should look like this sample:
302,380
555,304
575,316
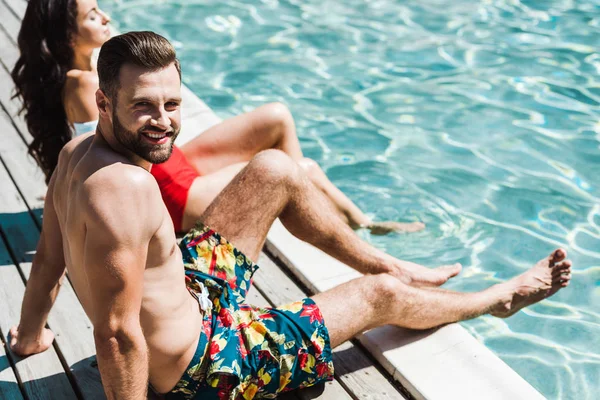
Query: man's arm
47,273
122,221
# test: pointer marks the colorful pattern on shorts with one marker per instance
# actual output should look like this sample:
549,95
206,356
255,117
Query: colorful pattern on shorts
246,352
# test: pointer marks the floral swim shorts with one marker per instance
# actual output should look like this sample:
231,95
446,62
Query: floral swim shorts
246,352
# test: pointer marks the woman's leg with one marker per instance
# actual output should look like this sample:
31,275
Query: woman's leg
240,138
349,212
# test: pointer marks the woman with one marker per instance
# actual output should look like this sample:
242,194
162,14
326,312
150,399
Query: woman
56,78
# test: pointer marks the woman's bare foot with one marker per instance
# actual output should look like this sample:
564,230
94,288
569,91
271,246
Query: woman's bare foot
418,275
385,227
543,280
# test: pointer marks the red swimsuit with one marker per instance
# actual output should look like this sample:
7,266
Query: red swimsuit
175,177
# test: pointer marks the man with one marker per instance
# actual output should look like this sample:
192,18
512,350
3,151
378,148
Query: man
190,334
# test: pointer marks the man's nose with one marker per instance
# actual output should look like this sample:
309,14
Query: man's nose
161,119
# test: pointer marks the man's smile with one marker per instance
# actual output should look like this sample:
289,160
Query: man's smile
157,137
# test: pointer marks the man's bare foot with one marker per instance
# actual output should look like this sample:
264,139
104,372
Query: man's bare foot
385,227
418,275
543,280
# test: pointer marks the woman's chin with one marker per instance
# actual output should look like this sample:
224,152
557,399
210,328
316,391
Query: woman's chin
103,38
100,42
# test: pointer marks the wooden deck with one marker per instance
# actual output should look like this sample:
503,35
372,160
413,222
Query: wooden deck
67,370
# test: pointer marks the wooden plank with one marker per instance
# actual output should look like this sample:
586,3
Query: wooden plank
75,340
353,367
256,299
24,171
18,7
42,375
327,391
9,386
9,52
10,23
12,105
276,286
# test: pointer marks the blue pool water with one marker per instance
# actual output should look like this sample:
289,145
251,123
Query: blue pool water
480,118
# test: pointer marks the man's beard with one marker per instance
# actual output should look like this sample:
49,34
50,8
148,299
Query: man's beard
133,141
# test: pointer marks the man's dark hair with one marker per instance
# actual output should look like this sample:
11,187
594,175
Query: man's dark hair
143,49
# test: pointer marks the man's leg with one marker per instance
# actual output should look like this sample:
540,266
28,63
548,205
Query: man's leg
272,185
204,190
238,139
376,300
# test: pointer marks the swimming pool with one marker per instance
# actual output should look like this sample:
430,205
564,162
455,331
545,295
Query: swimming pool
481,119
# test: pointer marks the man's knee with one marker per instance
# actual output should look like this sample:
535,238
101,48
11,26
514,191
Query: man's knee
274,166
386,290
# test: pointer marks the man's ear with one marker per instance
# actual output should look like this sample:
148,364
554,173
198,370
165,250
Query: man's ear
103,103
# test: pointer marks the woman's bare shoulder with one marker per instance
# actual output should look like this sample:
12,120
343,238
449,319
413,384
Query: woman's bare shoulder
79,95
81,81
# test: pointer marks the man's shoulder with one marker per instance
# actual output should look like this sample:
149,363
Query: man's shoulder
121,194
120,181
70,147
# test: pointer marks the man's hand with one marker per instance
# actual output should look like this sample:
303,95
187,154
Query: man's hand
26,346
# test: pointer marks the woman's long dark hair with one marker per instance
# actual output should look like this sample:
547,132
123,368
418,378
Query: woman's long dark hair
40,73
